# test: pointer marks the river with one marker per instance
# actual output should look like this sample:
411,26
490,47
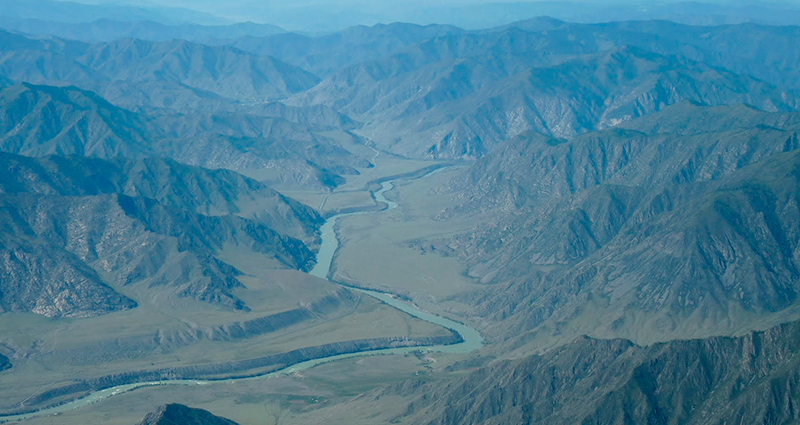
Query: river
330,243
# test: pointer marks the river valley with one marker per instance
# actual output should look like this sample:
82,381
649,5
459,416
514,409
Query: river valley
469,339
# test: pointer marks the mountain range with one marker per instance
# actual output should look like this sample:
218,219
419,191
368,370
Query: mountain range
42,120
473,104
434,91
105,30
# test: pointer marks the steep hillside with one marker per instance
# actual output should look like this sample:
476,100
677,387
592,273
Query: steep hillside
209,192
747,379
42,120
47,280
130,222
697,230
251,142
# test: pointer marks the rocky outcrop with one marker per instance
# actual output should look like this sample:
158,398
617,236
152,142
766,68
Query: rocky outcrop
38,278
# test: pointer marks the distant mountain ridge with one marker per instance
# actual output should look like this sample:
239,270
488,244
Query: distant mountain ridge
168,71
75,12
323,55
105,30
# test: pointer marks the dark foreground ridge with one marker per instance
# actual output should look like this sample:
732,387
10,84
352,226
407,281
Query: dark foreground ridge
178,414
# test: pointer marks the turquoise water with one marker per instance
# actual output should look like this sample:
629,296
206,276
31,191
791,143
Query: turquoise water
330,243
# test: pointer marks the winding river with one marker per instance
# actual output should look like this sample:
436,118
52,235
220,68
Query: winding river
471,339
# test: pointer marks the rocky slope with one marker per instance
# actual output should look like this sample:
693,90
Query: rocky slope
51,282
696,228
178,414
152,222
746,379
